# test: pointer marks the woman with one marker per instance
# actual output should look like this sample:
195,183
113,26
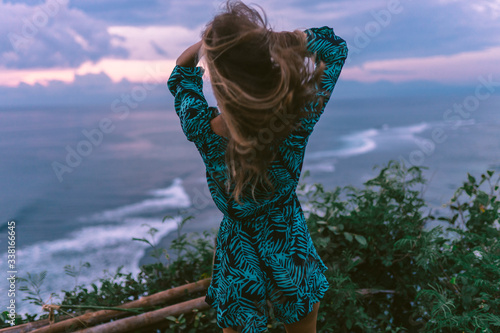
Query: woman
269,99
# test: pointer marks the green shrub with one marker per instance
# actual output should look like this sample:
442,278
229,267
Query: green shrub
394,275
388,271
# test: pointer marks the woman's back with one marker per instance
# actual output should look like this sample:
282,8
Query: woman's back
284,170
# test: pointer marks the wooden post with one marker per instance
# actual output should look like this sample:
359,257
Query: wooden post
148,318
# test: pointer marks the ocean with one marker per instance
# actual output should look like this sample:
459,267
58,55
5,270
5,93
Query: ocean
81,182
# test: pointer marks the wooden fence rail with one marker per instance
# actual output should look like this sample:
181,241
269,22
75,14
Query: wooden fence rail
97,317
148,318
88,321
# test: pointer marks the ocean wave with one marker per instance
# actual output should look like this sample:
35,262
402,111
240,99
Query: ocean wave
106,246
354,144
174,196
362,142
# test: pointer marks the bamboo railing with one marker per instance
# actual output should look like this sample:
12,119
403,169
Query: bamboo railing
148,318
94,318
99,321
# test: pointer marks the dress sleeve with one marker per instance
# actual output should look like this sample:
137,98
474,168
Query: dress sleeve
332,50
186,85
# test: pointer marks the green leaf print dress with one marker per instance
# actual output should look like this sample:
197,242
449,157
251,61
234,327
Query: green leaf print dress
264,252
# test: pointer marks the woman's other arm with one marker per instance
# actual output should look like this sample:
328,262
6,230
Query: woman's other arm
329,49
186,85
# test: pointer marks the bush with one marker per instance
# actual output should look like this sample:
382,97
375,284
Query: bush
393,275
387,271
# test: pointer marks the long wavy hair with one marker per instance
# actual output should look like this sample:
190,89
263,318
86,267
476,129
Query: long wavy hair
262,81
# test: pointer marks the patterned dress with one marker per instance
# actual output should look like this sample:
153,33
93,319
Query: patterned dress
264,253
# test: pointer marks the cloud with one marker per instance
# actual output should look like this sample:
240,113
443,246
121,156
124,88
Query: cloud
136,71
387,29
189,13
51,35
88,89
421,29
306,14
487,7
114,11
464,67
446,41
150,49
154,42
158,49
100,89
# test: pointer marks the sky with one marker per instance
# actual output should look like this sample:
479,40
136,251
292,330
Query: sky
93,51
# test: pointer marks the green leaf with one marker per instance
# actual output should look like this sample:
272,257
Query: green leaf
152,231
143,240
348,236
167,217
333,229
361,239
471,179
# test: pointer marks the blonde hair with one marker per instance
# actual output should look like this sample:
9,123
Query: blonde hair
262,81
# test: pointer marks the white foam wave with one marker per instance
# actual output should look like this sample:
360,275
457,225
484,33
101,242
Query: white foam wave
365,141
355,144
173,196
408,132
105,247
418,128
323,167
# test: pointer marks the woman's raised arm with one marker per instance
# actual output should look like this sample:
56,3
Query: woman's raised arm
190,57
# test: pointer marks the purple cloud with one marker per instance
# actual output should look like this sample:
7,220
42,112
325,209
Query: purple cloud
52,35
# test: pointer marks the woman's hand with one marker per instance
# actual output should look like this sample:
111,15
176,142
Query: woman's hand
190,57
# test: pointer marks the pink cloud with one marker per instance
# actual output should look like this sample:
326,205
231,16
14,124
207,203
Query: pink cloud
116,69
459,68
